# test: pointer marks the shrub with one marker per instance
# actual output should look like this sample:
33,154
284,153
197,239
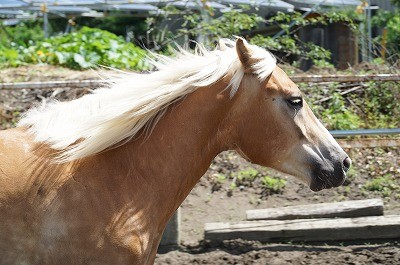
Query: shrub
337,116
390,21
86,48
23,34
8,57
383,185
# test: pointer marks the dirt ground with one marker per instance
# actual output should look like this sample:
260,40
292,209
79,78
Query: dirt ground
222,196
243,253
208,203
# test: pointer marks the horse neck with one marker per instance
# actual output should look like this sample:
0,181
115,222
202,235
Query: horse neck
182,146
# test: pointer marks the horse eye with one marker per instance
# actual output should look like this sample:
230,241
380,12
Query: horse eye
296,102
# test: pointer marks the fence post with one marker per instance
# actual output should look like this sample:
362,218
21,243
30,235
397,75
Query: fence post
170,239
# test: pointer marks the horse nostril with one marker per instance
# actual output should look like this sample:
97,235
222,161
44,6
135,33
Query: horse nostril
347,164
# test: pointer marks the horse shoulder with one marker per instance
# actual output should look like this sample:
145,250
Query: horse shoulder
15,150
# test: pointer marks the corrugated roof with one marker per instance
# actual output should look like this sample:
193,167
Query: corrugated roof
62,9
12,3
10,12
276,5
135,7
324,3
78,7
195,4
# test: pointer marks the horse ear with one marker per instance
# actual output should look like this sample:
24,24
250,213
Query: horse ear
244,54
222,45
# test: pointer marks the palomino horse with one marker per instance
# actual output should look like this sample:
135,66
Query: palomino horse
95,180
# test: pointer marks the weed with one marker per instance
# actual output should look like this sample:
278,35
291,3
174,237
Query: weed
351,174
245,177
248,174
217,181
339,117
273,185
383,185
220,178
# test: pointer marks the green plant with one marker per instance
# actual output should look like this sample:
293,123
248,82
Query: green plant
86,48
8,57
230,23
217,181
244,177
240,21
372,105
13,39
389,20
273,185
23,34
323,64
351,174
220,178
337,116
117,23
383,185
248,174
379,104
289,43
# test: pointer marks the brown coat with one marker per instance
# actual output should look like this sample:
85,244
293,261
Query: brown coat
112,208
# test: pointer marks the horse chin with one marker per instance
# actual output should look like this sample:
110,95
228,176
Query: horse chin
317,184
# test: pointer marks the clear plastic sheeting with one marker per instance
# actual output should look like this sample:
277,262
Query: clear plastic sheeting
12,4
303,5
273,5
62,9
82,7
135,7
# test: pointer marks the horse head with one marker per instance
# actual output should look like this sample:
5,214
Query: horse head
276,128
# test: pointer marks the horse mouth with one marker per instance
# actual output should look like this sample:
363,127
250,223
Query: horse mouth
318,184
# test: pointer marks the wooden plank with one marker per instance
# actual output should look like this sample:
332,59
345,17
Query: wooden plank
311,230
322,210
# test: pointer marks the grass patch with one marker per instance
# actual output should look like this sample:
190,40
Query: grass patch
273,185
384,185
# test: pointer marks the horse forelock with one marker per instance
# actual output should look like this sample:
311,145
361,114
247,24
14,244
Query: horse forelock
116,113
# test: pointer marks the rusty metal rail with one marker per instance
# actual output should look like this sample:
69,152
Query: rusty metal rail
91,84
346,78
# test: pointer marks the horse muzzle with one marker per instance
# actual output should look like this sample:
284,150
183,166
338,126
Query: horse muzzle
326,179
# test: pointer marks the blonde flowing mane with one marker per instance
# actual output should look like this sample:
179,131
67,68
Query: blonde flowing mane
115,114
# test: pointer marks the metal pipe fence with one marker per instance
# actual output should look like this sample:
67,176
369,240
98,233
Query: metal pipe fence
364,132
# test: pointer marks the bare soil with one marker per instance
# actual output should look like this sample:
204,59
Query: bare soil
211,201
239,252
221,196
